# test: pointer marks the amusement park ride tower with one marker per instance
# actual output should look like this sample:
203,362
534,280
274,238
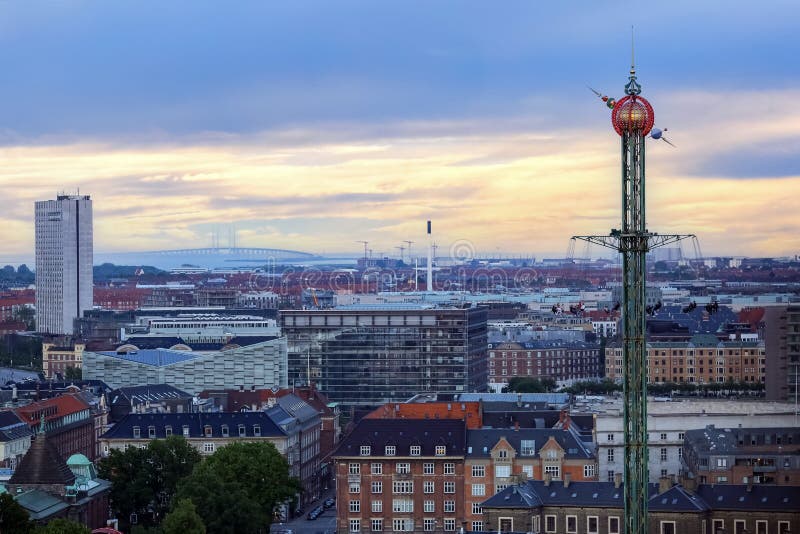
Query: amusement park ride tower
632,118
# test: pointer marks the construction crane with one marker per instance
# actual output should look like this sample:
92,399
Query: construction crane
409,243
366,243
401,248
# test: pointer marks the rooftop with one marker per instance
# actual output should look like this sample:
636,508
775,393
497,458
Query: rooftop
154,357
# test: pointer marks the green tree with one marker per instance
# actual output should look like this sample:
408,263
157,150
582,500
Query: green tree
62,526
73,373
237,488
144,481
183,519
13,517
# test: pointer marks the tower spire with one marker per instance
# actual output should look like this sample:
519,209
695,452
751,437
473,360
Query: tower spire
632,87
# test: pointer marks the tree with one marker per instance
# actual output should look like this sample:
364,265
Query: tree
183,519
13,517
144,481
524,384
73,373
237,488
62,526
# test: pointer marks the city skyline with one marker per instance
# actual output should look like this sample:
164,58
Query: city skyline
312,126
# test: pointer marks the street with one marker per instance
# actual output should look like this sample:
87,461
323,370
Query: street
324,524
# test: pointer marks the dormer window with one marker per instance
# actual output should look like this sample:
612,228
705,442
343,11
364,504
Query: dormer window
186,431
502,453
441,450
390,450
257,430
242,431
366,450
168,430
416,450
151,432
137,432
207,432
224,431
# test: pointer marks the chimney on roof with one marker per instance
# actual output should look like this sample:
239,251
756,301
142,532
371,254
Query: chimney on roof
567,479
688,483
516,426
547,478
617,480
664,484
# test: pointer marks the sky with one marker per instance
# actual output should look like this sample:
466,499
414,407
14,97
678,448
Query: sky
311,125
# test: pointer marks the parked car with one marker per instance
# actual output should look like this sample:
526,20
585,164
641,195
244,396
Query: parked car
329,503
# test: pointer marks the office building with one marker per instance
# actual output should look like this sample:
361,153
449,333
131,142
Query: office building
368,355
63,262
782,340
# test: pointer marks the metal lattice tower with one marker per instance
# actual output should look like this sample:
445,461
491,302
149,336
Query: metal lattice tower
633,118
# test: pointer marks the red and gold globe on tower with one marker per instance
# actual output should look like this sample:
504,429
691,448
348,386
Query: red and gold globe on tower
632,114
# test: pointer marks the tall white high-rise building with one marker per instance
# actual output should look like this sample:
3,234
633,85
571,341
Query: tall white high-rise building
63,262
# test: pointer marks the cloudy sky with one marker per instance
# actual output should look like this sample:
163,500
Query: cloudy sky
310,125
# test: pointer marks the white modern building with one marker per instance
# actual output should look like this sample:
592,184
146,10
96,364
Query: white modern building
260,365
667,423
63,262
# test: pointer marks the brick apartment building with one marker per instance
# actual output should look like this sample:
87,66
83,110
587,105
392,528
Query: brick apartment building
68,423
702,360
559,360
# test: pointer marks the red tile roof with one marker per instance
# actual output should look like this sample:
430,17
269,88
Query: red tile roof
54,408
469,411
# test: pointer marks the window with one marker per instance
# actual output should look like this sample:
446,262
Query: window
376,469
572,524
242,431
553,470
427,469
592,524
449,469
402,486
668,527
377,525
476,508
528,470
402,505
449,487
613,525
783,526
208,447
611,456
377,506
449,507
502,454
549,523
610,438
416,450
738,526
500,487
355,525
428,524
429,507
427,486
403,525
663,436
506,524
208,431
663,472
225,432
137,432
479,490
527,447
441,450
257,430
681,435
722,462
355,506
377,486
502,471
588,471
365,450
402,468
167,430
354,469
449,524
722,479
478,470
151,431
719,525
355,487
390,450
680,454
761,527
477,526
663,454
